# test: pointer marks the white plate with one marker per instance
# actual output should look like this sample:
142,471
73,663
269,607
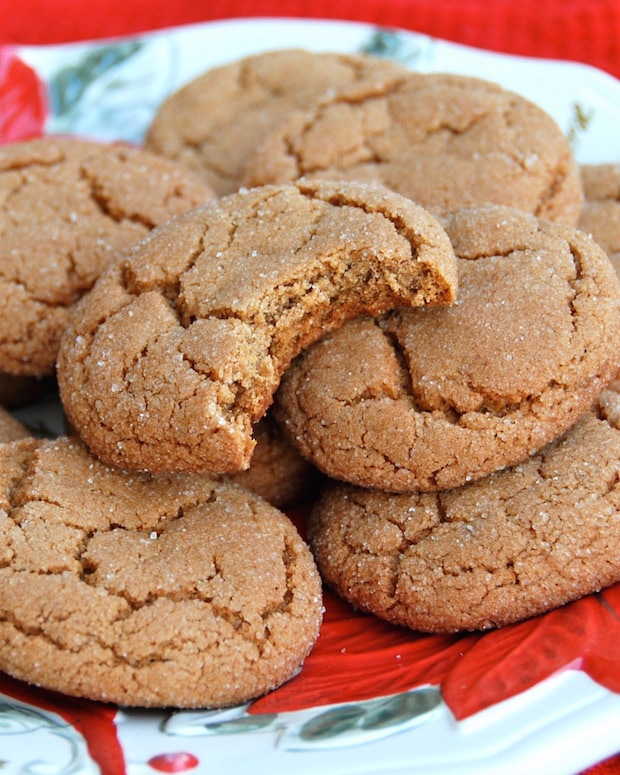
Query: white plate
558,723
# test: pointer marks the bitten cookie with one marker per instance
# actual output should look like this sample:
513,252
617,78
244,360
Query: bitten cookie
67,207
431,398
513,545
179,347
601,211
445,141
146,591
213,123
11,429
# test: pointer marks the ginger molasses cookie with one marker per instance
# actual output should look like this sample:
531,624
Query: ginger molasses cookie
445,141
67,207
510,546
214,122
147,591
179,347
428,399
601,210
11,428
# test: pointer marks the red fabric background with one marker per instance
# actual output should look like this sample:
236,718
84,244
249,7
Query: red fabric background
582,30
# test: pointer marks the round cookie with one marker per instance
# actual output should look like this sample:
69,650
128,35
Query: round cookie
428,399
67,206
601,211
445,141
278,472
11,428
147,591
178,349
513,545
212,124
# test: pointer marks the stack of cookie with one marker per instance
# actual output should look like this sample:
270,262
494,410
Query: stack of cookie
321,268
455,498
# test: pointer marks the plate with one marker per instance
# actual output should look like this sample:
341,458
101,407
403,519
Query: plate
542,695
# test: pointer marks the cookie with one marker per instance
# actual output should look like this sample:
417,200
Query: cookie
515,544
601,211
67,206
11,428
213,123
147,591
278,472
178,349
429,399
445,141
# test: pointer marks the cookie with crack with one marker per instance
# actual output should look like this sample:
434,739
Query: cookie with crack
513,545
445,141
428,399
147,591
213,123
178,349
67,207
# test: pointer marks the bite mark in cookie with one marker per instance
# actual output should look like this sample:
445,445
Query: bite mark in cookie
179,348
428,399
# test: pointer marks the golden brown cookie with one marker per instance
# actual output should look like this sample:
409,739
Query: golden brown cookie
67,207
278,472
513,545
601,211
147,591
428,399
214,122
445,141
11,428
179,347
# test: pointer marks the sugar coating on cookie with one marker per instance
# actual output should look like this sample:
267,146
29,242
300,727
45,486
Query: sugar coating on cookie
147,591
515,544
428,399
213,123
600,216
445,141
178,349
67,206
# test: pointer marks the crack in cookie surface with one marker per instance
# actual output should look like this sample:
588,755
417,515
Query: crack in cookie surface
253,278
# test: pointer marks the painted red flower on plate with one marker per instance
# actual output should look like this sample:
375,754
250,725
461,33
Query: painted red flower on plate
23,105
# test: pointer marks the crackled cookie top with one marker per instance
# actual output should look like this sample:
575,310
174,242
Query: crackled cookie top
445,141
149,591
214,122
515,544
179,348
67,206
601,211
428,399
